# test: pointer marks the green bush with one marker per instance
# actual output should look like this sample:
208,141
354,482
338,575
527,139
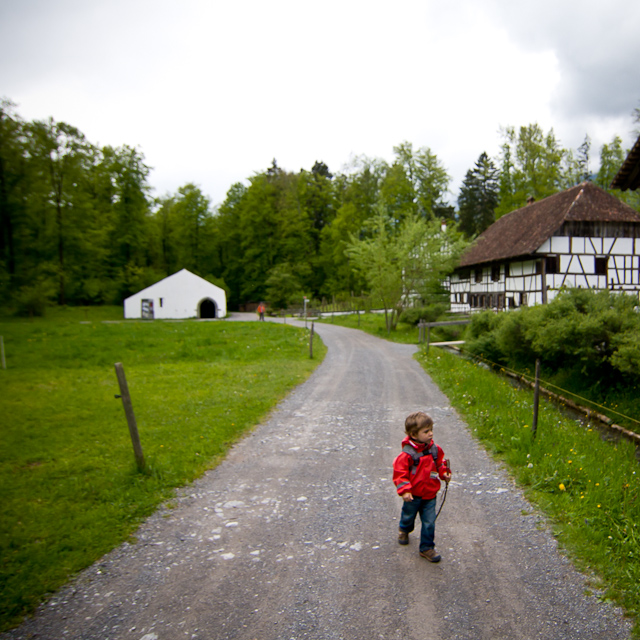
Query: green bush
581,334
430,313
33,300
512,339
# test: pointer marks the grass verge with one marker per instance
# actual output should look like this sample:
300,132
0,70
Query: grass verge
374,324
588,487
69,488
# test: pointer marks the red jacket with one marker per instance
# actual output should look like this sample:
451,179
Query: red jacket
424,481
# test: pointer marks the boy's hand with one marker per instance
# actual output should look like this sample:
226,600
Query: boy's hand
447,476
407,497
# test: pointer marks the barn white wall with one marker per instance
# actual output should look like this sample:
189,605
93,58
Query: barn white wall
177,297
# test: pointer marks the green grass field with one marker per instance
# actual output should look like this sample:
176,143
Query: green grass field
69,487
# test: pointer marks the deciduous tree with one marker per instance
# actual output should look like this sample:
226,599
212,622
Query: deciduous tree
13,163
61,155
404,263
531,167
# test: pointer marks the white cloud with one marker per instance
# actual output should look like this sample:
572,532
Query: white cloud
211,92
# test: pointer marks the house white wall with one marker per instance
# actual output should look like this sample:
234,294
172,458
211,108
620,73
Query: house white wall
181,295
593,263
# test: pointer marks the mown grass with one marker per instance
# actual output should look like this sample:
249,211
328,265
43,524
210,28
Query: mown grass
589,487
69,487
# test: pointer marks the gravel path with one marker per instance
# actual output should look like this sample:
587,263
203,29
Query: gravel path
294,535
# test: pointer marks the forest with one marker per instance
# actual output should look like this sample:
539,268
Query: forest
80,225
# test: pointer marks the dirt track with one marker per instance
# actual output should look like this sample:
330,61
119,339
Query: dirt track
294,535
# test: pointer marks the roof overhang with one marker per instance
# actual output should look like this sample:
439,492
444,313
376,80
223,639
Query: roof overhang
628,177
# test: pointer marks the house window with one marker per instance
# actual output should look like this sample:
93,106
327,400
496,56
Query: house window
465,274
495,273
506,270
478,275
552,264
160,299
601,266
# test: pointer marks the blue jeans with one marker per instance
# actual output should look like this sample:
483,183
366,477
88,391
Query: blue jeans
427,511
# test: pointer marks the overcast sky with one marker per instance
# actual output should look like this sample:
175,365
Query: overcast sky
211,91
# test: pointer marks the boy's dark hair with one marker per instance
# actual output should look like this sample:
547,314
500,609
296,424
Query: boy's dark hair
416,421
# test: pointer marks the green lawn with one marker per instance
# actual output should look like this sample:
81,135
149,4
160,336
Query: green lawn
69,487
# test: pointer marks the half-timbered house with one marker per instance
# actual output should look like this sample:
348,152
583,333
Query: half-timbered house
581,237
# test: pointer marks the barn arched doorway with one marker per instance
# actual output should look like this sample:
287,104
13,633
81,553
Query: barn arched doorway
207,309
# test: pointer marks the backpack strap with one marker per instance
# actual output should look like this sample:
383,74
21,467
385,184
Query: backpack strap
415,455
434,454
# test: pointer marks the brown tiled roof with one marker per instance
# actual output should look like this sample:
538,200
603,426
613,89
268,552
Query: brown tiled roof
628,177
521,232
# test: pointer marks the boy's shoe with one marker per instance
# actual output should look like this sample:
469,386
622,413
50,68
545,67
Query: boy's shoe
403,537
431,555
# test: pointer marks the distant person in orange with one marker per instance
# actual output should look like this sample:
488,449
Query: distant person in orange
261,310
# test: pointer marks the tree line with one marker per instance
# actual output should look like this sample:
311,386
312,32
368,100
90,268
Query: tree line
79,223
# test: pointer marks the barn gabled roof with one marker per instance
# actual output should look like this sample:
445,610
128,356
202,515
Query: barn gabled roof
522,232
628,177
183,279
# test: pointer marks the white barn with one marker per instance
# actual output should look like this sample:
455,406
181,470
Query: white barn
581,237
181,295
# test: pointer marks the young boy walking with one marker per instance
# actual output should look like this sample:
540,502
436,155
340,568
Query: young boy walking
417,472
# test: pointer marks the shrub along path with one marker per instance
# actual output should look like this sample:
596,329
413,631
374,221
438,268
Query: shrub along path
294,534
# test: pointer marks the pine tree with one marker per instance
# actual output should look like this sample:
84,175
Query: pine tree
479,196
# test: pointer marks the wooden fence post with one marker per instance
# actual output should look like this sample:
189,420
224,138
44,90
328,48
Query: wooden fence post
131,419
536,399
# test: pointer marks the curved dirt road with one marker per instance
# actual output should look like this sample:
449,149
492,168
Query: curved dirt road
294,535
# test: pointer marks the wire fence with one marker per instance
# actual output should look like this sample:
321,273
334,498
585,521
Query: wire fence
562,395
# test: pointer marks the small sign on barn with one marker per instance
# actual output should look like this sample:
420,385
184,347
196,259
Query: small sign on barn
181,295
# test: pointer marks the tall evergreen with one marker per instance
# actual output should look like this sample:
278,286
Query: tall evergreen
479,196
